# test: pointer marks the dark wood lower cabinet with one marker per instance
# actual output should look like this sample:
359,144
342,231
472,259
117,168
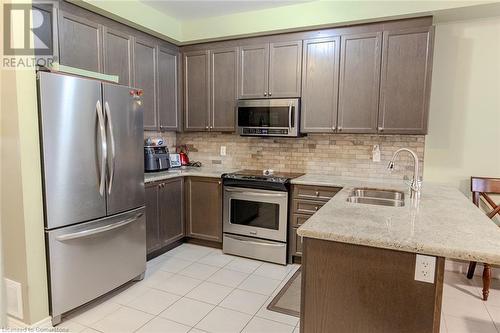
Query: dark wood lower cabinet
353,288
204,208
152,217
305,201
164,213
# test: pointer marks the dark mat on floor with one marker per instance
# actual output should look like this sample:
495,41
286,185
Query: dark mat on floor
288,299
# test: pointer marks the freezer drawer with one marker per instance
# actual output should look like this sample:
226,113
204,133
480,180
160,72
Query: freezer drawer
93,258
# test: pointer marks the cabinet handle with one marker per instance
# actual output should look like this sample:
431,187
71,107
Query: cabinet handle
265,94
270,94
317,193
219,182
206,127
339,129
334,128
316,208
380,129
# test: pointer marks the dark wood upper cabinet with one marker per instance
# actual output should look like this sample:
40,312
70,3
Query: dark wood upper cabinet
320,81
169,97
152,217
118,53
171,205
254,71
80,42
223,92
204,208
405,80
145,69
359,83
285,67
196,90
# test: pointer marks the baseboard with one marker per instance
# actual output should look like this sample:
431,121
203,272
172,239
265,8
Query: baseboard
463,266
16,323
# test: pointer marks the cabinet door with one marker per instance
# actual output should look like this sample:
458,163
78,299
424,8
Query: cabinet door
204,208
196,90
152,218
359,83
320,81
80,43
224,82
168,89
285,65
405,80
171,225
145,78
118,50
254,71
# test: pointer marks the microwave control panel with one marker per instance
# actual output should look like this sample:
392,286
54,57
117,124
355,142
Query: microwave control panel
264,131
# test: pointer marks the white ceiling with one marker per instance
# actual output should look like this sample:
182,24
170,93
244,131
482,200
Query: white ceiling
190,10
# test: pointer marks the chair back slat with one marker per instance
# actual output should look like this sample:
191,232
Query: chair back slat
485,185
481,187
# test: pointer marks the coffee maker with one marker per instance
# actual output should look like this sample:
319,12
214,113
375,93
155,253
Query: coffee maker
156,158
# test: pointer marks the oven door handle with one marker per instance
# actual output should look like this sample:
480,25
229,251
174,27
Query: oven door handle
254,242
278,195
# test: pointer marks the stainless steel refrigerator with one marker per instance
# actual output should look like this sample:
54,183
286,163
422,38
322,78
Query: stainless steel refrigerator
91,135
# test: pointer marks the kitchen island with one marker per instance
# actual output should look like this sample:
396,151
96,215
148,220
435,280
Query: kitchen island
359,259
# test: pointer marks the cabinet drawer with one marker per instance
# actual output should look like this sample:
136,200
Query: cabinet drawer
306,206
320,193
296,243
298,220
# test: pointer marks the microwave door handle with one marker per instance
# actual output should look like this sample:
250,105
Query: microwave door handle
290,125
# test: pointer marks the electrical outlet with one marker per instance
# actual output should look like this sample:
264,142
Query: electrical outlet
425,268
376,153
222,150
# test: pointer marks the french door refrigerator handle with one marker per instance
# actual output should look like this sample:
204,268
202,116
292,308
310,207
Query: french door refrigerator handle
112,139
98,230
104,147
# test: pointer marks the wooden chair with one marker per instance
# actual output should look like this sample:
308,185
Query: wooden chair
481,187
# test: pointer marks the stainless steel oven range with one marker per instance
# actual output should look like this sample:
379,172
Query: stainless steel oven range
255,215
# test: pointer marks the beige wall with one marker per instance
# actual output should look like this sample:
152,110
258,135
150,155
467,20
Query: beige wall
21,214
464,131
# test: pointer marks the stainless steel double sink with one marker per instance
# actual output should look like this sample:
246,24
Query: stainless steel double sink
374,196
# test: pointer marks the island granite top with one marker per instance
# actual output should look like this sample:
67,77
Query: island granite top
442,222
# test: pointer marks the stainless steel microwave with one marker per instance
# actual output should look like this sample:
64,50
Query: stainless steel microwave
268,117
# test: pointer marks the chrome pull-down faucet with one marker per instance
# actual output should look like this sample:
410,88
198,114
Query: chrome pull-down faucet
415,184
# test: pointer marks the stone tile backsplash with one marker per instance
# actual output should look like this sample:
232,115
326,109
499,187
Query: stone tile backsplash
332,154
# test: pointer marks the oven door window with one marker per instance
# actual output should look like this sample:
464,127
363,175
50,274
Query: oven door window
255,214
270,116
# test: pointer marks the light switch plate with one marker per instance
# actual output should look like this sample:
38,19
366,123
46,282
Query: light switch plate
222,150
425,268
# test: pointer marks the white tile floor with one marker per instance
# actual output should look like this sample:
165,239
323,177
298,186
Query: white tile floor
199,289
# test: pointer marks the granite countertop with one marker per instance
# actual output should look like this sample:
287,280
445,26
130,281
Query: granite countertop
185,171
443,222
